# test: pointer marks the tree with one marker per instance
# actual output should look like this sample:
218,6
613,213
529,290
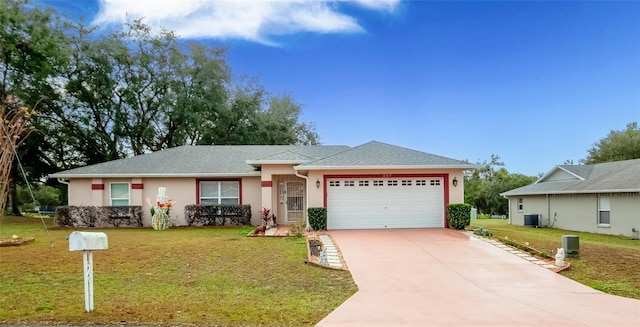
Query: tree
253,116
108,96
616,146
31,49
484,185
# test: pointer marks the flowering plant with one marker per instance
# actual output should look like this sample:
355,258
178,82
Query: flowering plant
160,210
267,217
159,205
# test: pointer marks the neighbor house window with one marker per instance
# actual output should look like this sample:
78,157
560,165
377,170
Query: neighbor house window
520,205
119,194
604,210
222,192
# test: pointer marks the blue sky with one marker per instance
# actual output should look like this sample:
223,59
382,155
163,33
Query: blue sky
536,83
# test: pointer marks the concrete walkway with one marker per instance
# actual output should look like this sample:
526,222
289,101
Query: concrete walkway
439,277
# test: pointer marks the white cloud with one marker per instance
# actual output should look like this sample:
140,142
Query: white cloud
253,20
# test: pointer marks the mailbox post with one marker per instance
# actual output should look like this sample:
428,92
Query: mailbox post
87,242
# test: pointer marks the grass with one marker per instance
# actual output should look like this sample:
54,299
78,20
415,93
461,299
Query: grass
607,263
182,276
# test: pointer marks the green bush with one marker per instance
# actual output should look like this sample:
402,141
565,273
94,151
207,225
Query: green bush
296,229
459,215
318,218
482,232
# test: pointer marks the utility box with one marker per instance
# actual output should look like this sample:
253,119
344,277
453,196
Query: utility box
88,241
571,245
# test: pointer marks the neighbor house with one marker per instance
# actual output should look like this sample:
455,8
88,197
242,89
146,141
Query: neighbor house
601,198
374,185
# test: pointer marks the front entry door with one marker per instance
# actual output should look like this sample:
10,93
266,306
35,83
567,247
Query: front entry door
294,202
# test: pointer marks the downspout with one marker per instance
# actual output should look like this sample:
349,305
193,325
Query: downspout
306,198
65,182
509,206
549,209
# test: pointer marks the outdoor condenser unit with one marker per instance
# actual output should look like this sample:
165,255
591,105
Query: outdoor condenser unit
571,245
532,219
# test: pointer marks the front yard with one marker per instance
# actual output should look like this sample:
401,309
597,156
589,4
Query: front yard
198,276
607,263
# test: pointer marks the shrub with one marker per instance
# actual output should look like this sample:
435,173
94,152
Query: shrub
318,218
91,216
217,215
482,232
296,229
459,215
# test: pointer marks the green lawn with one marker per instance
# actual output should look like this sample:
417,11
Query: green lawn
607,263
201,276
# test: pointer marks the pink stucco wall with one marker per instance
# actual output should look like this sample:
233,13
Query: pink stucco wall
257,191
181,190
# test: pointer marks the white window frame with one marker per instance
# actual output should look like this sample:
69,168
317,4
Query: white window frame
111,198
604,205
219,198
520,204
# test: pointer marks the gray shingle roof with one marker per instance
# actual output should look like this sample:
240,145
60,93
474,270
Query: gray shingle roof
580,170
610,177
198,161
284,156
239,160
381,155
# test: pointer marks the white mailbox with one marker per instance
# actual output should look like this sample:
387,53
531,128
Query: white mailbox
88,241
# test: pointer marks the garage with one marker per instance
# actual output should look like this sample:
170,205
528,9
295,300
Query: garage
376,203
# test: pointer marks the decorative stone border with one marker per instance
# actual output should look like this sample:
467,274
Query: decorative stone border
334,257
16,242
523,254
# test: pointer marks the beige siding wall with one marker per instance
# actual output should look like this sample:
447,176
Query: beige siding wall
579,212
560,175
531,204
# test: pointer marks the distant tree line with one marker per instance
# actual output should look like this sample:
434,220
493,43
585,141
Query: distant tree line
104,96
483,186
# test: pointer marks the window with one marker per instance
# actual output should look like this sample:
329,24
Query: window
520,205
223,192
392,183
434,182
119,194
334,183
421,182
378,183
604,211
349,183
406,183
363,183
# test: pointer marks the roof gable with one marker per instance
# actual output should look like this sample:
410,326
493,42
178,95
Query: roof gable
381,155
609,177
559,174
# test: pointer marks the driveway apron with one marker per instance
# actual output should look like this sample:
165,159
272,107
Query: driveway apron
440,277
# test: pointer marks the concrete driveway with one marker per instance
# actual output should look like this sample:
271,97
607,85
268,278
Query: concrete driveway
439,277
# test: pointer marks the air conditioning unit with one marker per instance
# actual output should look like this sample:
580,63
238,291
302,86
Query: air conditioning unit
571,245
533,219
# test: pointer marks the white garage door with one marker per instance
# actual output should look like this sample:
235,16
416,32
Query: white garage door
385,203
